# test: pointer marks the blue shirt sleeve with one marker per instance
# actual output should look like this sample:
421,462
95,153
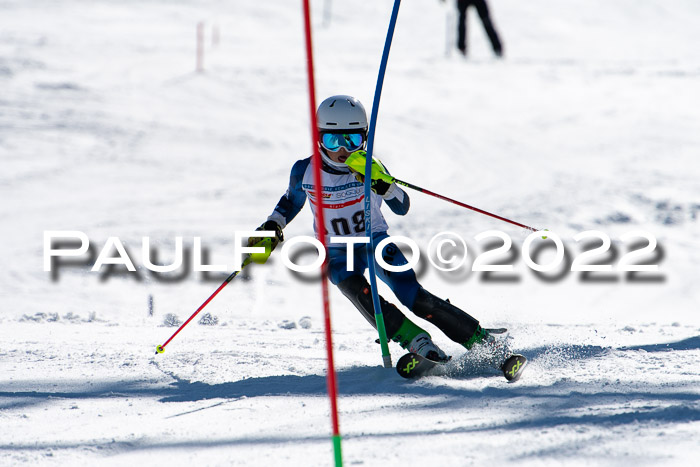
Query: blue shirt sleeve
400,203
293,200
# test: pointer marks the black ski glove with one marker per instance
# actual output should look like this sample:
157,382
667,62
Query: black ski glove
269,225
380,187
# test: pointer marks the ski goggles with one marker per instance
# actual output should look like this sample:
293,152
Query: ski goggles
350,141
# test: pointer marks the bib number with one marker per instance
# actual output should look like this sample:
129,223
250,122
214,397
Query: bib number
342,226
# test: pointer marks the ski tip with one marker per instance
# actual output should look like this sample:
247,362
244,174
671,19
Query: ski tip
412,366
409,365
406,364
513,367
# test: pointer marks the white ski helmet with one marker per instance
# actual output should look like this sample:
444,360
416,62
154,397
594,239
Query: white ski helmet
341,113
341,121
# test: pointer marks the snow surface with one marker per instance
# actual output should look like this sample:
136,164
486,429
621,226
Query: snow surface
590,122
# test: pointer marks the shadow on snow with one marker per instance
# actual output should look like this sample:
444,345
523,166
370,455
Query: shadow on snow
560,404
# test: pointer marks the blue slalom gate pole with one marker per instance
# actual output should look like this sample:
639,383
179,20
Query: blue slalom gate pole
386,356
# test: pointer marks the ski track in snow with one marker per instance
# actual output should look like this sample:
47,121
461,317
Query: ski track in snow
588,123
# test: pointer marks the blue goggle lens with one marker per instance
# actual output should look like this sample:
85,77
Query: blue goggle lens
349,141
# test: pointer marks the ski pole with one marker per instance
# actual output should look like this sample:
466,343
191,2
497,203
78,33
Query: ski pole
464,205
356,161
254,257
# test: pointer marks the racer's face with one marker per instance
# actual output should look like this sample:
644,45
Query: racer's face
338,156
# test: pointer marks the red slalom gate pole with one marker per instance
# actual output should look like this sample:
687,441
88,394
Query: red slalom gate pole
320,223
200,47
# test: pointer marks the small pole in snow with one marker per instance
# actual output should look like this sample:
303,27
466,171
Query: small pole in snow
326,13
449,37
200,47
150,305
215,36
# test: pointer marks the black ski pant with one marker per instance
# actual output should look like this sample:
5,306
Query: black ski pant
483,11
455,323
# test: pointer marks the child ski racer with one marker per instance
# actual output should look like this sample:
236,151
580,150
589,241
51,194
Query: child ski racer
342,124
